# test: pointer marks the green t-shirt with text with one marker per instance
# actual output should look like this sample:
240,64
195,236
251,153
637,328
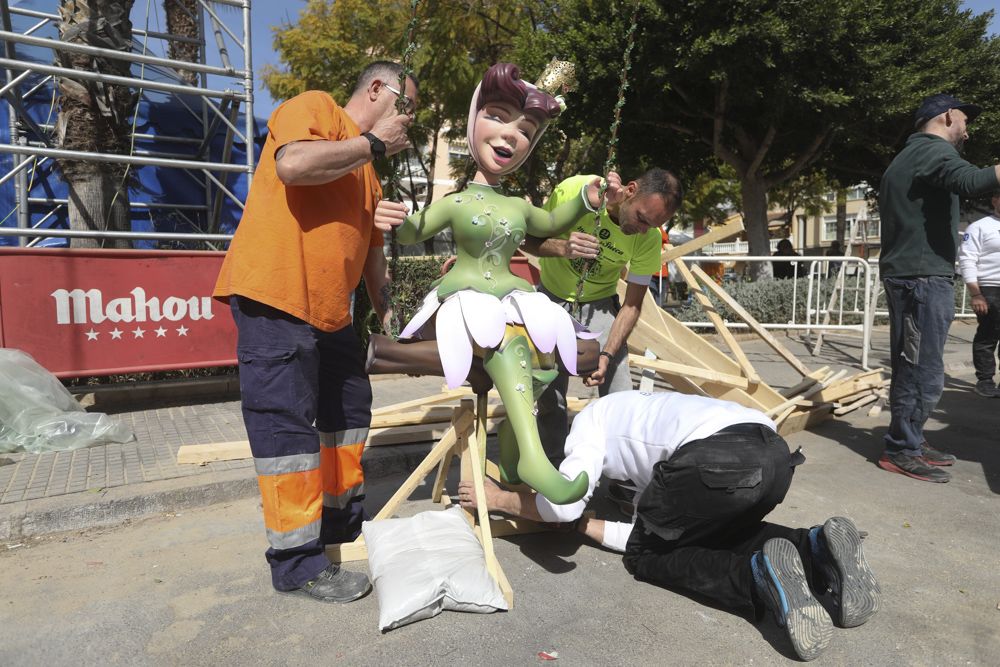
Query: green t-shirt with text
641,252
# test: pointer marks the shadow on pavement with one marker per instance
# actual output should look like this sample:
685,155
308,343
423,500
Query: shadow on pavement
964,424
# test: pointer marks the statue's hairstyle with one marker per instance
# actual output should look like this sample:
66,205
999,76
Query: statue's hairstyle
502,83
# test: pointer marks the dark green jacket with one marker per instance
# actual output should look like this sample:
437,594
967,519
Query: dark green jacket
918,204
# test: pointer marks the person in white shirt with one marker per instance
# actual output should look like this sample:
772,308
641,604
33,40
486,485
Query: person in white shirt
707,471
979,262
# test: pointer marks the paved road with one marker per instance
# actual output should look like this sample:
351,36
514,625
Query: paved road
193,588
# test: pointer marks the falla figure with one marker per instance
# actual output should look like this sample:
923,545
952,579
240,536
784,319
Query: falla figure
479,309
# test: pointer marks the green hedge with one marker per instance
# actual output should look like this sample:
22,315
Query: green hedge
409,287
770,301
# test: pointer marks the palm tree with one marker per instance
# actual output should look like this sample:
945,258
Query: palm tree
94,116
182,20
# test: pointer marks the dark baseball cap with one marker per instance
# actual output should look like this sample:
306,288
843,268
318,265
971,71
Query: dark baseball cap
938,104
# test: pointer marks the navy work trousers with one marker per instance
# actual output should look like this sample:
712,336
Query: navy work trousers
307,409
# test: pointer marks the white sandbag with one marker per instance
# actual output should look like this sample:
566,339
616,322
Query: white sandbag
426,563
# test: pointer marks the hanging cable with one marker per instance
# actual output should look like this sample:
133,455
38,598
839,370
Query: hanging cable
612,152
393,187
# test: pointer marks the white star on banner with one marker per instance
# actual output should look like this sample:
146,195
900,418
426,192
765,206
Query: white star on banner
182,330
161,332
116,334
138,332
92,335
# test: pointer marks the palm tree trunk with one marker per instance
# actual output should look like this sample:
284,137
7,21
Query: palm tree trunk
94,117
182,20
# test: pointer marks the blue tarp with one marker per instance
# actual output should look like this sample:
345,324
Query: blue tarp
158,114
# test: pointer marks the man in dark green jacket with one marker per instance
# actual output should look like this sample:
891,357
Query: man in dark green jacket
918,203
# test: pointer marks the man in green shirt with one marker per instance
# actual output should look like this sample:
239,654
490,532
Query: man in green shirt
628,236
918,204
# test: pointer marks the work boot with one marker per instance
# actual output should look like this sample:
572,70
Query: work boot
986,389
912,466
780,582
335,584
935,457
840,566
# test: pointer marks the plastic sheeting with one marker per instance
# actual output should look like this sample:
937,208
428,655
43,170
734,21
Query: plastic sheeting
158,114
38,414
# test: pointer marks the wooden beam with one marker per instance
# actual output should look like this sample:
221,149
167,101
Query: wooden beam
690,371
751,322
720,326
462,424
443,397
219,451
348,551
716,234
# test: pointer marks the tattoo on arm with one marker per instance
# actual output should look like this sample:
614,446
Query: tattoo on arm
383,297
281,151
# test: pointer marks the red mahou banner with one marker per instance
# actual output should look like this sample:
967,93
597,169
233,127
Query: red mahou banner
98,312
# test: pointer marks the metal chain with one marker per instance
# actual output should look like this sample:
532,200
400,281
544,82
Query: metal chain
612,152
393,187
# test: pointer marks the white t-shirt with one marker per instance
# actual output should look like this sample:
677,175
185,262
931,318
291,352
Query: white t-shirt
979,252
625,434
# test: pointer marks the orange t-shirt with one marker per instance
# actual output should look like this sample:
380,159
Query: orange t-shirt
301,249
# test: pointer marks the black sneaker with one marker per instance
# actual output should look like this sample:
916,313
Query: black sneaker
780,581
986,389
840,561
623,497
335,584
912,466
936,457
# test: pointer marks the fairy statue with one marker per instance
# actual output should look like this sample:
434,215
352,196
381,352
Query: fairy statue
479,308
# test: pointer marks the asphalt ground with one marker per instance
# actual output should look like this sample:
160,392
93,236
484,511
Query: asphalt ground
187,584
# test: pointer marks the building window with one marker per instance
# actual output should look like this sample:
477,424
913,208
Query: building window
830,228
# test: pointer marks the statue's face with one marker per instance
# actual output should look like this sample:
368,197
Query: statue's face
502,135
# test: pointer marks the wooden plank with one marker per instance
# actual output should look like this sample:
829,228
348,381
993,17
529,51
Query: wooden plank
690,371
782,410
219,451
775,344
808,381
348,551
698,352
717,322
426,415
800,420
844,389
463,423
443,397
851,407
716,234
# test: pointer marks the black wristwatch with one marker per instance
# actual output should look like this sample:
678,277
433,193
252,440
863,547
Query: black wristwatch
605,353
378,148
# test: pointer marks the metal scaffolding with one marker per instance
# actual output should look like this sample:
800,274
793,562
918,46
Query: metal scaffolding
212,108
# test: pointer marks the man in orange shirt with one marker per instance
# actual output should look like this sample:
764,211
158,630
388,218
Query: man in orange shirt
308,233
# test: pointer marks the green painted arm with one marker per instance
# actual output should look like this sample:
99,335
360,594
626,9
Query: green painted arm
544,223
426,222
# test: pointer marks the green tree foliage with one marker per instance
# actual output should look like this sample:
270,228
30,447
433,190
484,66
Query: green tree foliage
769,87
456,41
807,192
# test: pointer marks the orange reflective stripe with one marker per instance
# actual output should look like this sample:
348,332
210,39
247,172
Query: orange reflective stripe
291,501
341,467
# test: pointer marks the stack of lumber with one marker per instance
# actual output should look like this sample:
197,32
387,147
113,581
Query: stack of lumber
419,420
689,363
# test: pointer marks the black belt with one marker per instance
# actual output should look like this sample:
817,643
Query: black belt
747,428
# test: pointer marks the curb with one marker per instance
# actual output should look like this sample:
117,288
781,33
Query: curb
28,519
